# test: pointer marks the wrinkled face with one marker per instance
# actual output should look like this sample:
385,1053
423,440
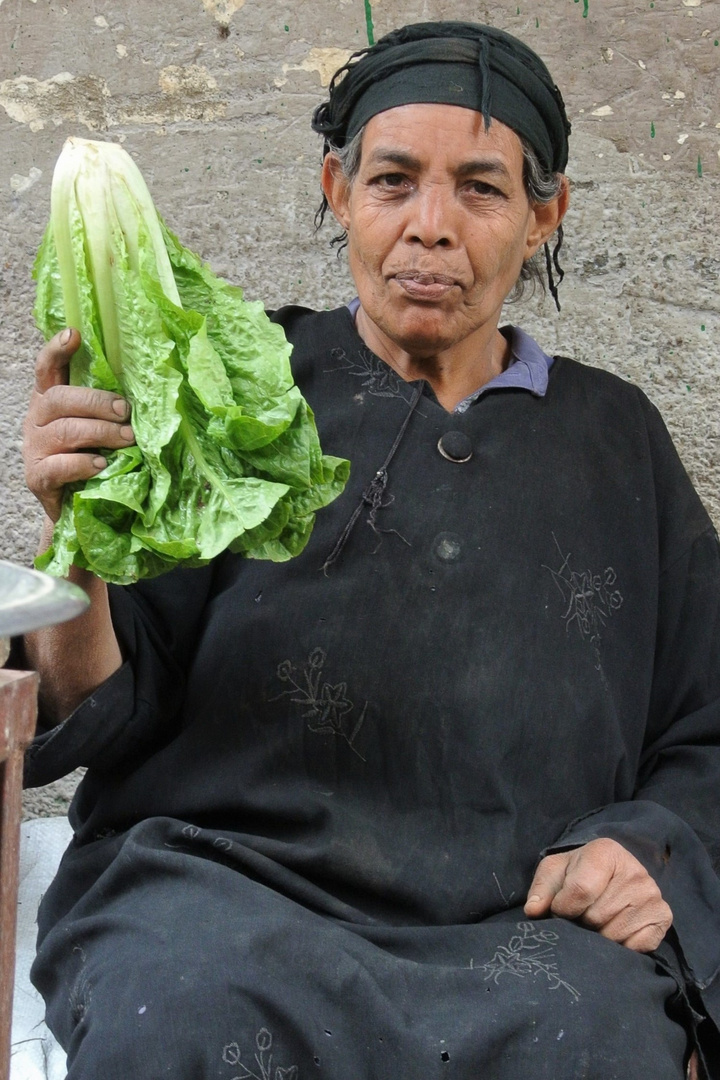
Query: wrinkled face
438,223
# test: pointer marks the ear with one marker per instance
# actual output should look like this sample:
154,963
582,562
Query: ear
336,188
545,219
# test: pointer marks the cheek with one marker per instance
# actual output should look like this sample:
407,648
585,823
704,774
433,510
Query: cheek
367,247
502,255
375,229
366,272
361,259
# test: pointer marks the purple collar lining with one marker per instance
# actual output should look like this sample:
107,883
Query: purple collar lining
528,369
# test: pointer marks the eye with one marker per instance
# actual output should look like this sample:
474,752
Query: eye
390,181
482,188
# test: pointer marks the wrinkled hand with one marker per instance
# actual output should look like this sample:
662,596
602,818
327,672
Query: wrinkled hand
62,421
606,889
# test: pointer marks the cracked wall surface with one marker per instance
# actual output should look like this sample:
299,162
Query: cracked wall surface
213,99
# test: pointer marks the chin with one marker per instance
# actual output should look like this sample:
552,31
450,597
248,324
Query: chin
419,331
422,345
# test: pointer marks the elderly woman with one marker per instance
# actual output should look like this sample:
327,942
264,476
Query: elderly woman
432,811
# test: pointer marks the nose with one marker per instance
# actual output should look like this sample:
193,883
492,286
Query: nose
431,218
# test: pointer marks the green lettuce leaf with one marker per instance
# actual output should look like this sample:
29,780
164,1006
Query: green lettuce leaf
227,452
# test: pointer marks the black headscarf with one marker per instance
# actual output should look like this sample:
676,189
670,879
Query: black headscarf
450,63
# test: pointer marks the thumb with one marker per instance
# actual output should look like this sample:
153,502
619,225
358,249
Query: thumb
53,361
548,881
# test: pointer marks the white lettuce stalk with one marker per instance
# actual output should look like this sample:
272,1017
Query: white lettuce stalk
100,184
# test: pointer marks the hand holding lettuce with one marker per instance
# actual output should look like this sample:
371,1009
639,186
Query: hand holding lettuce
227,452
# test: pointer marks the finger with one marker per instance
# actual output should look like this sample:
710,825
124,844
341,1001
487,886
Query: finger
76,433
625,905
648,939
585,881
62,400
53,360
647,924
48,482
65,469
547,882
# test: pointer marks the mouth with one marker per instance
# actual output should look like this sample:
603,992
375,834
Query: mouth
424,286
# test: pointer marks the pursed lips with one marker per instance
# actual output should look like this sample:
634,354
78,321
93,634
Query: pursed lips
423,285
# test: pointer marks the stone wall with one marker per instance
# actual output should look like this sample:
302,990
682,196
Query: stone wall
213,99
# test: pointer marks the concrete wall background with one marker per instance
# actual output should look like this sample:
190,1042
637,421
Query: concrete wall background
213,99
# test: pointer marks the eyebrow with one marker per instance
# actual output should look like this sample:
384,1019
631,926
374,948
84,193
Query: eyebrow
485,166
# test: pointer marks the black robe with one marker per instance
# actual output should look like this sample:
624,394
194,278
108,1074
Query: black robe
317,791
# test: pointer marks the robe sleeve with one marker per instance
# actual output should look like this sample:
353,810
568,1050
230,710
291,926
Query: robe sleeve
672,826
157,625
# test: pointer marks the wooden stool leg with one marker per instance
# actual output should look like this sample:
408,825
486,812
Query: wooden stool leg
18,712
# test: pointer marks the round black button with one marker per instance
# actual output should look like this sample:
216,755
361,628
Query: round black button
455,446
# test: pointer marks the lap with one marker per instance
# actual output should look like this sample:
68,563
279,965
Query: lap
185,967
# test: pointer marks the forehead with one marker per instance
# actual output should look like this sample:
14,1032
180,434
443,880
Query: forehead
433,131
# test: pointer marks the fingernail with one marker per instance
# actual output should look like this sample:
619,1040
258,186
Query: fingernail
99,463
534,899
120,406
127,432
65,336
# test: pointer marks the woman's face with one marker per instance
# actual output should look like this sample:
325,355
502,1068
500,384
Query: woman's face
438,223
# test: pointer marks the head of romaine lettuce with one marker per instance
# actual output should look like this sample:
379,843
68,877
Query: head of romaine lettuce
227,452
